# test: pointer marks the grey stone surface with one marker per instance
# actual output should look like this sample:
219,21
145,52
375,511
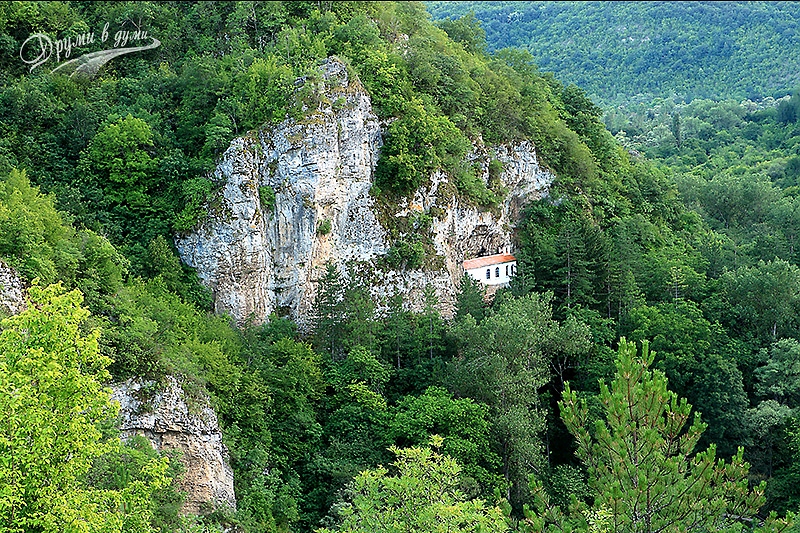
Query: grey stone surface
12,291
257,261
165,419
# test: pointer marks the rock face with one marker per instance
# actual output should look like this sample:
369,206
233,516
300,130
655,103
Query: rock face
168,423
259,259
12,291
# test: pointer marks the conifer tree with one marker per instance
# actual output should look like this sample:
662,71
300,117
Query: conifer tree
641,463
328,311
469,300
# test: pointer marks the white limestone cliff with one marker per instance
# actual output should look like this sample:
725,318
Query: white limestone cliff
12,291
261,260
165,418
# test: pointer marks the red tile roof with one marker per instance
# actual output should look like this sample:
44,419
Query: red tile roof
489,260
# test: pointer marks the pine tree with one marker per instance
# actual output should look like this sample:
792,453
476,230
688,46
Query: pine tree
431,321
328,311
641,462
397,329
358,317
469,300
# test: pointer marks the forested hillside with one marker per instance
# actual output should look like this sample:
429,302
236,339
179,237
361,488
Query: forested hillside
531,413
617,51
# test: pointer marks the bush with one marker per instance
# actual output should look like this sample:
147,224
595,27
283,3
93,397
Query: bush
35,239
495,170
416,145
266,197
264,91
406,254
473,188
324,227
195,192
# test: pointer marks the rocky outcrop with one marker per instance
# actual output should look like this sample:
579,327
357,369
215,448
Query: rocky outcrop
12,291
163,416
259,259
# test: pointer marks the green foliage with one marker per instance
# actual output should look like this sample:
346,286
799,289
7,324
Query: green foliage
328,311
415,145
473,188
463,424
698,359
118,156
467,31
274,414
696,252
324,227
469,300
360,367
36,240
406,254
195,193
423,496
263,92
640,458
127,468
779,378
165,266
782,490
415,343
504,362
495,171
53,400
385,77
150,332
355,430
31,228
357,38
266,197
619,52
762,300
787,109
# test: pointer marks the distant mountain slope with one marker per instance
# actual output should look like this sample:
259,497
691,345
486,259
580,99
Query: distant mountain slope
616,50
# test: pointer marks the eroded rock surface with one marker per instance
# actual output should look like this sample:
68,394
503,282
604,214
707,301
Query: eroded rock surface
12,291
258,260
168,422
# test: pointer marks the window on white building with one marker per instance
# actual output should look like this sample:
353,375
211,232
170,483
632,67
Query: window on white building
488,273
497,272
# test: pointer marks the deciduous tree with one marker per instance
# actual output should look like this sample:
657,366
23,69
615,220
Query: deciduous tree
52,400
422,497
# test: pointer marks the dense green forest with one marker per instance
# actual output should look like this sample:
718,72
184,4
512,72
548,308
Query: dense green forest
619,51
661,268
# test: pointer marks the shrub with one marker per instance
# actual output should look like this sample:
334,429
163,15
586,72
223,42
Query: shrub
406,254
472,187
417,144
495,170
324,227
266,197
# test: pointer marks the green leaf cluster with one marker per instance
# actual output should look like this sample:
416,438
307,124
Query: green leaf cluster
54,401
423,496
641,461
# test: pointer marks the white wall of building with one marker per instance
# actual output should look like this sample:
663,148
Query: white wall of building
494,274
